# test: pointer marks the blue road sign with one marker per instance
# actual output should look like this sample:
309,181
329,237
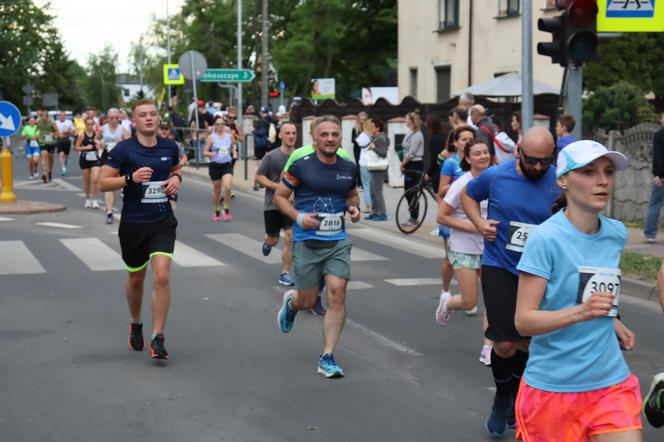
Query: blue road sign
630,8
282,86
10,119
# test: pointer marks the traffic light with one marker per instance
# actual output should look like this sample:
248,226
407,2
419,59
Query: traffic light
556,48
273,94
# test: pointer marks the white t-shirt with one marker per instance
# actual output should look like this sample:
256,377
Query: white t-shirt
461,241
504,152
64,126
363,140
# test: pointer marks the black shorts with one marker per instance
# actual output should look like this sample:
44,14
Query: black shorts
64,145
104,157
276,221
259,152
499,287
217,170
50,148
85,164
140,241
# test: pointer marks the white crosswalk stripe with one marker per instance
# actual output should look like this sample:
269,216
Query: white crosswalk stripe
403,244
186,256
94,254
2,218
407,282
59,225
246,245
16,259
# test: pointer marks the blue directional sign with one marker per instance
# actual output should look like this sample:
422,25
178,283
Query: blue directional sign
10,119
630,8
282,86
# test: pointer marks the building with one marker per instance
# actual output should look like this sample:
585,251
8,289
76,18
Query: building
447,45
130,86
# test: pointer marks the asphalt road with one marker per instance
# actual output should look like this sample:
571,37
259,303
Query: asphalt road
66,373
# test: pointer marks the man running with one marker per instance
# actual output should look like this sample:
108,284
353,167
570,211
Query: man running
653,404
66,131
323,181
146,167
520,194
46,134
268,175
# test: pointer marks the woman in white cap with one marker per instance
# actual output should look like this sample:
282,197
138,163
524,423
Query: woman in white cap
577,385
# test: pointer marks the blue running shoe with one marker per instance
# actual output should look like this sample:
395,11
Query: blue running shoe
328,367
286,316
318,309
370,217
266,249
380,217
497,422
285,279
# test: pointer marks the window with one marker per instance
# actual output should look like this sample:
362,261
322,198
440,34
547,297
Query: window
448,14
126,92
443,83
509,8
413,82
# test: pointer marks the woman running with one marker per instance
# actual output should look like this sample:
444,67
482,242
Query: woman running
89,162
221,149
466,243
577,386
29,134
110,134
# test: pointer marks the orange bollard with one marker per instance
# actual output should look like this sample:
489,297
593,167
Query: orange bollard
7,195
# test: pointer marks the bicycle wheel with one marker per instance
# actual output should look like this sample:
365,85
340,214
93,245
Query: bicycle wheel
411,210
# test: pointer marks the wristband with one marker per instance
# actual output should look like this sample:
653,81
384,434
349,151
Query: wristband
300,219
128,179
177,175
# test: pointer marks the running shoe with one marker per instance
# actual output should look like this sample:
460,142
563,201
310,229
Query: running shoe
472,311
157,350
496,423
648,239
434,232
318,309
88,204
286,316
285,278
44,178
510,419
95,204
31,177
136,342
380,217
216,216
109,218
370,217
485,355
232,195
50,176
266,249
409,223
653,405
328,367
227,215
63,172
443,314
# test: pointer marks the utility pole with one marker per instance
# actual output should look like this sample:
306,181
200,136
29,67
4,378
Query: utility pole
527,102
168,49
140,64
239,60
265,58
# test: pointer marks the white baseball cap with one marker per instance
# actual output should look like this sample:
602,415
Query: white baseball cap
583,152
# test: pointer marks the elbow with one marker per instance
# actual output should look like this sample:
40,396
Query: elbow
520,325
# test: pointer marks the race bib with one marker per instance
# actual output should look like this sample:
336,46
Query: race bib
110,146
153,192
223,152
597,279
48,139
34,143
330,223
91,155
518,235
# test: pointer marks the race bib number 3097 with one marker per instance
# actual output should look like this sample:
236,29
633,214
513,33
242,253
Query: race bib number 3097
597,279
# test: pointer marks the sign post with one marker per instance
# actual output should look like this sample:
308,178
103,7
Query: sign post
193,66
10,123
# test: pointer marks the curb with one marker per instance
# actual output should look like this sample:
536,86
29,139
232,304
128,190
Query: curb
640,289
22,207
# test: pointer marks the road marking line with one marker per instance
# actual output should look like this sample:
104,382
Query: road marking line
402,244
94,254
186,256
407,282
117,216
67,185
16,259
246,245
2,218
59,225
359,285
384,339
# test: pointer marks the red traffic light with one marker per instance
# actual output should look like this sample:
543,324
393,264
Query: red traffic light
580,30
582,13
273,94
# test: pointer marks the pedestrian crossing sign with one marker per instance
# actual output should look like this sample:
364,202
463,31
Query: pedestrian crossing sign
630,16
172,74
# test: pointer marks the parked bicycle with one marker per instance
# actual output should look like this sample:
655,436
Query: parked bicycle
413,204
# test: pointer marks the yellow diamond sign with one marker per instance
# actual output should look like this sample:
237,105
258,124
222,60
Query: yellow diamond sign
172,74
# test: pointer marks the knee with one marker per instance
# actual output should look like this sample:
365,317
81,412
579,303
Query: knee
160,278
336,297
505,349
136,279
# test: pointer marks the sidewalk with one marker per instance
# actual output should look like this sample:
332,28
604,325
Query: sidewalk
642,289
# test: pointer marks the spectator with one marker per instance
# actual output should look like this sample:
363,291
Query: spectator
379,144
486,129
264,134
466,102
436,145
515,124
564,128
657,189
457,117
354,133
364,139
412,165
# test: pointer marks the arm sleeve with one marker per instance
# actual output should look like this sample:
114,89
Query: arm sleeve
116,157
479,187
453,195
447,169
536,258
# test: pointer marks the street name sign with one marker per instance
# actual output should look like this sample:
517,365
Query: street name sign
10,119
630,16
228,75
172,74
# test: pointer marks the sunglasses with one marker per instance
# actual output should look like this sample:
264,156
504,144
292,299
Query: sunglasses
534,160
231,118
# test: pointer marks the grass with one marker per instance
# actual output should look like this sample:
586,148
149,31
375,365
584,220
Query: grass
643,267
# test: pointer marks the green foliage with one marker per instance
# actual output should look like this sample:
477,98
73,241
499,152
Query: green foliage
99,84
644,267
62,75
616,107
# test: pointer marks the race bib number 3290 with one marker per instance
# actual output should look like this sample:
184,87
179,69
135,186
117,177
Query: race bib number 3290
153,192
597,279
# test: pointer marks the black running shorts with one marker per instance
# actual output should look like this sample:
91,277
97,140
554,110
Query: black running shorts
140,241
63,145
275,221
499,288
217,170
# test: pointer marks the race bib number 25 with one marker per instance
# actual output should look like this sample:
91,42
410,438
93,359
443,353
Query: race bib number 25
518,235
597,279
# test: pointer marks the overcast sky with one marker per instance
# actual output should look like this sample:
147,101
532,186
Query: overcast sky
86,26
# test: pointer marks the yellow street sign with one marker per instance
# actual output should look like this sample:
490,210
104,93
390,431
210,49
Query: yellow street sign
172,74
630,16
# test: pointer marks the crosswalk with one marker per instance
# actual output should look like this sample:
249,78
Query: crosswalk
102,255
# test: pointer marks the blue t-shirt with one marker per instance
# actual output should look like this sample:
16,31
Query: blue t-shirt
584,356
452,168
518,203
146,202
563,141
320,188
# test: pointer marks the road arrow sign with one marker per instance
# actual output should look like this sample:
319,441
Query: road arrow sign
228,75
10,119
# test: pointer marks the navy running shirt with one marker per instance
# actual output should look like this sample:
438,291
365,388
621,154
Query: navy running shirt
145,202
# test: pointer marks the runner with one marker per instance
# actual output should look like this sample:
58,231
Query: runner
46,133
29,134
465,245
145,166
268,175
110,134
577,385
88,147
653,405
220,147
324,185
165,131
520,194
66,131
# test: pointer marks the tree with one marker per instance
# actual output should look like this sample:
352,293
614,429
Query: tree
62,75
100,84
616,107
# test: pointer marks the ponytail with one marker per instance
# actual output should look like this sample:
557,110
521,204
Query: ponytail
560,203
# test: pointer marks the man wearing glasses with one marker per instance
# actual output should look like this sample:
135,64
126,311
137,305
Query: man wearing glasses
520,193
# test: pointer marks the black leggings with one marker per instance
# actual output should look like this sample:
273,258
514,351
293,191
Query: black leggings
412,176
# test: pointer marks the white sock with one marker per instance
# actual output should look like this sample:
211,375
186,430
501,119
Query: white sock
154,334
135,321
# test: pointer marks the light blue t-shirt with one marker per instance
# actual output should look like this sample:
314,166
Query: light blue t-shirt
518,203
584,356
452,168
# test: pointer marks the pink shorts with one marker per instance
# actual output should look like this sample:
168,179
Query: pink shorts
548,416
